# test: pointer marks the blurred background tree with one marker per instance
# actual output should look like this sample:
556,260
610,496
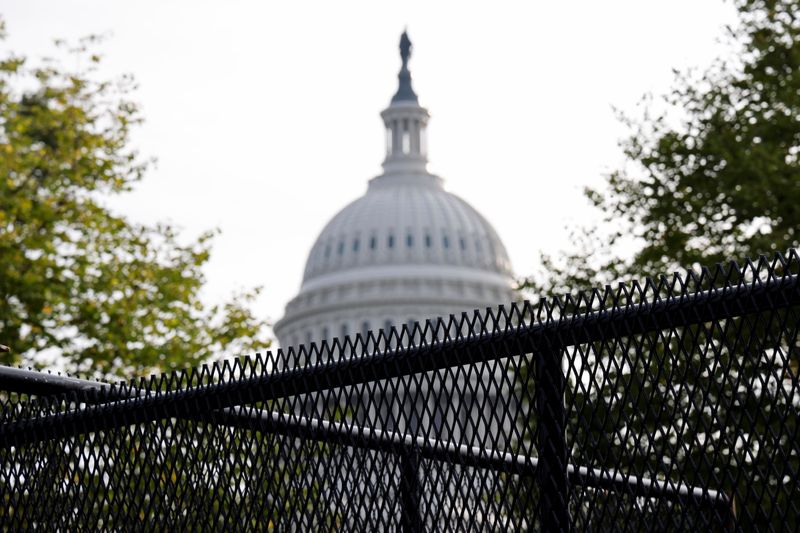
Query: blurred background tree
96,292
712,175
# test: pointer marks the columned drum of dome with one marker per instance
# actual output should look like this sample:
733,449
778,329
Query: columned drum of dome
406,251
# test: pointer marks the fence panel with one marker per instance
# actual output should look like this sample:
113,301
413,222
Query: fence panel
669,405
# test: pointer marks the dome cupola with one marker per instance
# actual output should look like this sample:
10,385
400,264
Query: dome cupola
406,122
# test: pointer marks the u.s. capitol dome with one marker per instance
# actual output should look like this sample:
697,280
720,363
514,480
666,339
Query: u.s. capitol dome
406,251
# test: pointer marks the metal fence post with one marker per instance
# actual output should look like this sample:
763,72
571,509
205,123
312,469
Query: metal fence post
730,515
410,518
552,468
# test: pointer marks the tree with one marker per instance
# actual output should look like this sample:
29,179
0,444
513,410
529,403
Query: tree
724,183
107,295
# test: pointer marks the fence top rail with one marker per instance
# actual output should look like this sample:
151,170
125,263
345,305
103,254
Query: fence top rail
37,383
722,293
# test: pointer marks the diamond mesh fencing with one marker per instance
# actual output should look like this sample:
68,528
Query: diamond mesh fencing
671,404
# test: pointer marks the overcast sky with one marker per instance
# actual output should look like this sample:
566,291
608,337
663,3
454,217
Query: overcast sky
264,117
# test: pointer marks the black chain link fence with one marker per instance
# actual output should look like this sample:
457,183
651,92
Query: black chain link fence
667,405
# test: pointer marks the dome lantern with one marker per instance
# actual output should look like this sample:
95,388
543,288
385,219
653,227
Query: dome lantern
406,123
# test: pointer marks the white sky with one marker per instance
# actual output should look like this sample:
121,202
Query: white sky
265,121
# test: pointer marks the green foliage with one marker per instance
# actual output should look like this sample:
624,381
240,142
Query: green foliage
723,183
715,177
107,295
710,405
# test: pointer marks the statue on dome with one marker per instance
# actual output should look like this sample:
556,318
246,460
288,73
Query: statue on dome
404,91
405,48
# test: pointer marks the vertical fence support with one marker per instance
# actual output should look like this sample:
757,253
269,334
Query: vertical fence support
552,468
730,524
410,518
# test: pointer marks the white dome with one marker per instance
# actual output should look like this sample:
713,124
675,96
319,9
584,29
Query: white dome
406,220
405,251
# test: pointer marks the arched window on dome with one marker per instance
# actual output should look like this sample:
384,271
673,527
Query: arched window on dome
492,253
325,333
405,140
344,330
390,241
373,242
428,240
355,244
409,240
445,241
387,326
327,251
341,247
462,243
389,141
365,328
